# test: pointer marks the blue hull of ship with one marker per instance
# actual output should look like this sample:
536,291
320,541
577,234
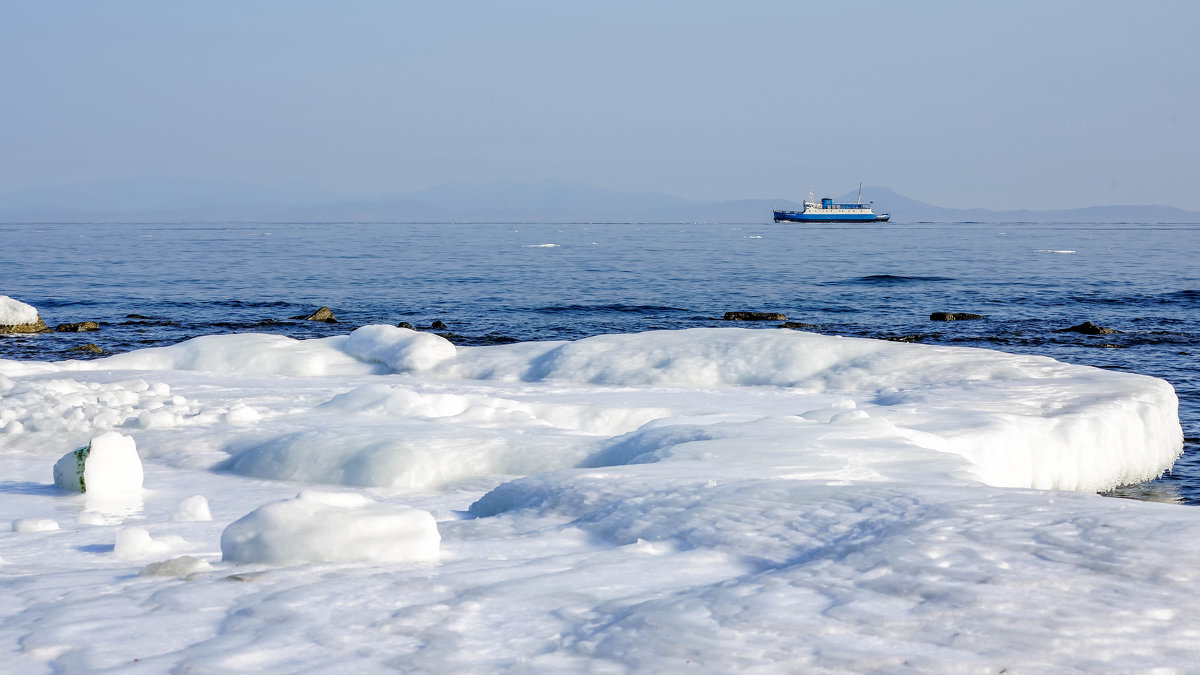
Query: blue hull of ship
798,217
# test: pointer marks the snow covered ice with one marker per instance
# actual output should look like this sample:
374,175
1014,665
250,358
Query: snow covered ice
13,312
716,500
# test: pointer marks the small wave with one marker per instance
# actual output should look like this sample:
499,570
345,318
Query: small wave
753,236
540,246
884,280
1187,296
1052,250
606,309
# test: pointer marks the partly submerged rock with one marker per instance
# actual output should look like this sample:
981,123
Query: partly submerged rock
82,327
89,347
1088,328
324,314
954,316
755,316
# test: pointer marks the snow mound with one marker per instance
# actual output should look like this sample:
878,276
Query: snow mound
400,349
193,509
13,312
176,567
319,526
34,525
108,465
135,542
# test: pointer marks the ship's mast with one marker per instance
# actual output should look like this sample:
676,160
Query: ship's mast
860,192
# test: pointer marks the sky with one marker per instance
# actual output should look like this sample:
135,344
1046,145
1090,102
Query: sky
1000,105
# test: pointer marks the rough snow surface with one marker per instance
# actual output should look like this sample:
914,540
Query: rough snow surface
719,500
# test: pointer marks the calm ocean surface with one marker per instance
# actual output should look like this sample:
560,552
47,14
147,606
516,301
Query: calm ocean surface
156,284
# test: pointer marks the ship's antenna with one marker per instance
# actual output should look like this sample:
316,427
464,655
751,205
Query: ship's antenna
860,192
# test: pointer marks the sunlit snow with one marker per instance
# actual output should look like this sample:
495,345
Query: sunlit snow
13,312
714,499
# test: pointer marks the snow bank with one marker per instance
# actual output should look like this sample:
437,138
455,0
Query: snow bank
242,355
16,313
400,349
1020,421
108,465
321,526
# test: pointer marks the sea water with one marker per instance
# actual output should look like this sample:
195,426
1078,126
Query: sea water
160,283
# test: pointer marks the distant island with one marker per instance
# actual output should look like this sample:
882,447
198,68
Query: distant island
159,200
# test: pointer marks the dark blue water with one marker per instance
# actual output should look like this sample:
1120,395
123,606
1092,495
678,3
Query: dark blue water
155,284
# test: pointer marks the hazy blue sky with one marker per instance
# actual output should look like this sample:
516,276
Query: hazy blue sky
1012,104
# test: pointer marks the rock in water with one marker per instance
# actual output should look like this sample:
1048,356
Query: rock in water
324,314
755,316
77,327
18,317
954,316
108,465
1088,328
89,347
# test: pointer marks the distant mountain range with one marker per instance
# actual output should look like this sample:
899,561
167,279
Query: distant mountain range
543,201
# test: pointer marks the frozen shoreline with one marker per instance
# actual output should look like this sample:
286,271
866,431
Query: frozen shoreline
740,500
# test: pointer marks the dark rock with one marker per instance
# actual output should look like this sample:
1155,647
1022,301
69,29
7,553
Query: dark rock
405,324
1088,328
87,348
77,327
324,314
137,316
953,316
797,324
438,325
755,316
